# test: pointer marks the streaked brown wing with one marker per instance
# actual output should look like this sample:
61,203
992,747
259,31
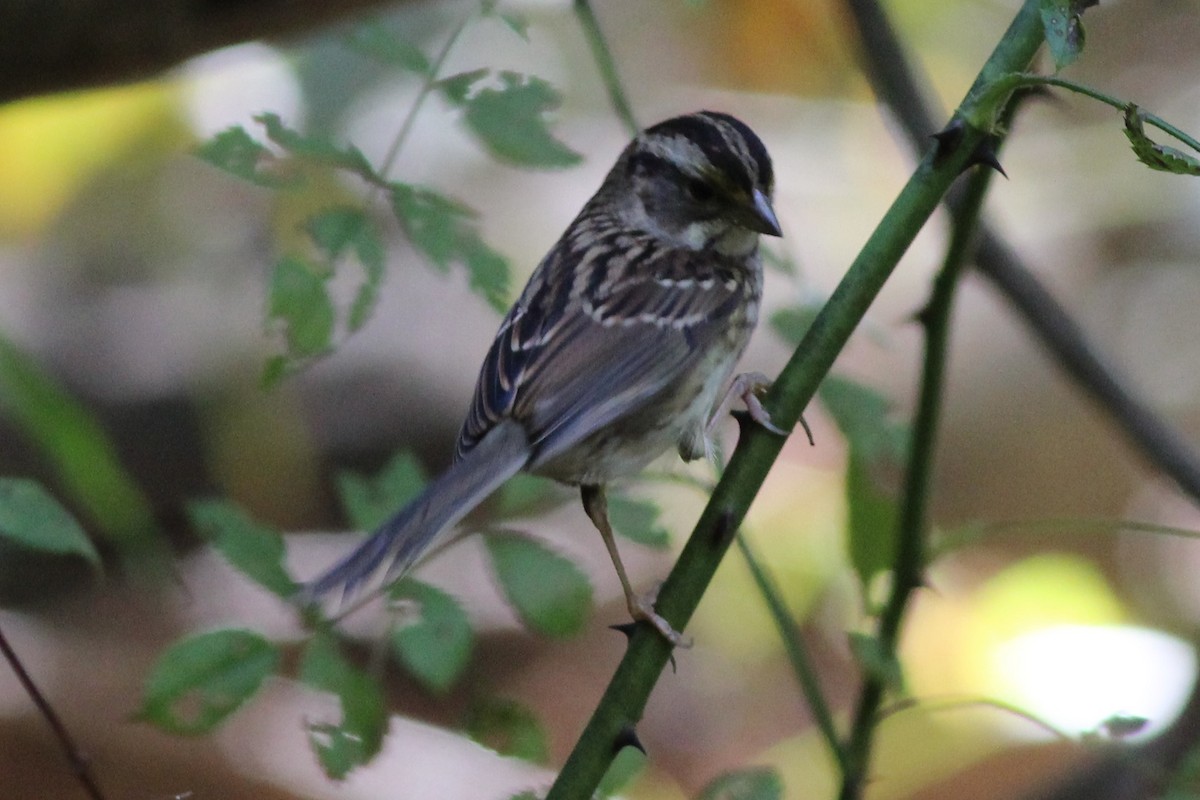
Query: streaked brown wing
566,368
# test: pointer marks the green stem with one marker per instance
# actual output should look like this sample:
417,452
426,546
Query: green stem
393,151
805,674
910,557
624,701
1022,79
606,64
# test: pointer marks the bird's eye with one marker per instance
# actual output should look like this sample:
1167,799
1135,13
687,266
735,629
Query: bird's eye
699,190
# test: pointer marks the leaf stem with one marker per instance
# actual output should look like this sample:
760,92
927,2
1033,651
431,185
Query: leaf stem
430,81
806,675
603,57
910,557
1021,79
79,762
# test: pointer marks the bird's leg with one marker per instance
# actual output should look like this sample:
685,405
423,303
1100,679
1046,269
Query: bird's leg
641,609
748,387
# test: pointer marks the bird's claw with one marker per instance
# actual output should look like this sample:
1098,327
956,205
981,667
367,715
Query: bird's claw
642,610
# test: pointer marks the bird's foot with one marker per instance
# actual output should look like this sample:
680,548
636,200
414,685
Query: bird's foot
642,610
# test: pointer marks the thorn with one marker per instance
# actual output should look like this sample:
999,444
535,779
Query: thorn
674,666
807,431
627,737
985,156
626,628
724,529
947,139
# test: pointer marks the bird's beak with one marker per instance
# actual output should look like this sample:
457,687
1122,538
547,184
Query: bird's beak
760,217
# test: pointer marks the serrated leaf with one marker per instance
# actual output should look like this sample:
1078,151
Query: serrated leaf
254,549
317,149
871,521
436,647
549,592
31,517
200,681
507,727
754,783
344,228
235,151
76,445
1064,29
1154,155
300,302
876,662
510,121
637,520
444,230
377,42
457,87
340,747
369,501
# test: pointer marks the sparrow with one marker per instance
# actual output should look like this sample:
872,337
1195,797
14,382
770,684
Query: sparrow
620,347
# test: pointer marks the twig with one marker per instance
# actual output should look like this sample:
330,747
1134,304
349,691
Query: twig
648,653
898,81
78,761
805,674
909,564
606,64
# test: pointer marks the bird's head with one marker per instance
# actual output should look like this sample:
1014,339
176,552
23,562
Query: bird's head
701,181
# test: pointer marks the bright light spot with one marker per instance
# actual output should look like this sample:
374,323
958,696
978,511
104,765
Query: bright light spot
1077,676
230,86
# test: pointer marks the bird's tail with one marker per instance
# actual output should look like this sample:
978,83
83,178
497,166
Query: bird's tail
397,544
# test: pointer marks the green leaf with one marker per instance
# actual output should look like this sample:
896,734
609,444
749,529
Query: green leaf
254,549
444,231
457,87
877,662
517,23
626,764
792,323
34,519
524,495
755,783
436,647
316,149
871,521
344,228
236,152
200,681
511,121
74,442
862,415
1154,155
638,520
369,501
357,738
549,592
300,302
377,42
1064,28
507,727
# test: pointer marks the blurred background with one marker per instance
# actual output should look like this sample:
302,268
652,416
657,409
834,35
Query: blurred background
135,275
